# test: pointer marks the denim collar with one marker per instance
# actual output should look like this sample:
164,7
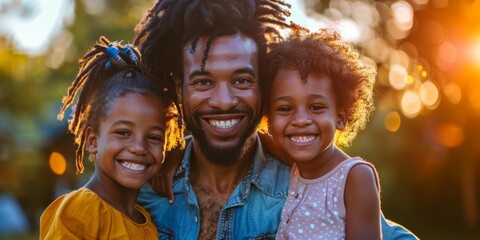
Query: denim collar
258,175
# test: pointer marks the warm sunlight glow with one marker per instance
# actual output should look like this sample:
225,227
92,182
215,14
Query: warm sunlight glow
392,121
453,92
57,163
474,97
411,104
446,55
476,52
450,135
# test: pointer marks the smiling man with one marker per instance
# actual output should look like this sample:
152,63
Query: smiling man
227,187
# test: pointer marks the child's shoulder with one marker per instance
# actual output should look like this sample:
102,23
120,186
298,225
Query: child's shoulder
79,203
73,214
76,198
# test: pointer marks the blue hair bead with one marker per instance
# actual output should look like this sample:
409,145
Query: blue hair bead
114,52
128,50
108,64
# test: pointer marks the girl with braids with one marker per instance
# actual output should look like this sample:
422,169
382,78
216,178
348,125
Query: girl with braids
320,96
125,121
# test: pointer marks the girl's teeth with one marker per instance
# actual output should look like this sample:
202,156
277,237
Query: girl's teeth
133,166
224,124
302,139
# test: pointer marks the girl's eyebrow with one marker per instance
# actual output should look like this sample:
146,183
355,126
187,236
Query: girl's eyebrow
129,123
311,96
122,122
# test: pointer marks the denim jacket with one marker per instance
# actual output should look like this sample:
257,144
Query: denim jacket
251,212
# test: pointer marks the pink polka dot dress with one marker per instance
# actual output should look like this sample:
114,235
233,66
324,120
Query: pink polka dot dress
315,208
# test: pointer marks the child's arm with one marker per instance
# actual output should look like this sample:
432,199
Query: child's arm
273,149
162,181
362,203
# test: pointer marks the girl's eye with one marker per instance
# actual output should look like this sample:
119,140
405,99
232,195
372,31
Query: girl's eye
122,132
284,109
156,138
317,107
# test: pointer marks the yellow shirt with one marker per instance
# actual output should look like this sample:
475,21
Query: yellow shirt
82,214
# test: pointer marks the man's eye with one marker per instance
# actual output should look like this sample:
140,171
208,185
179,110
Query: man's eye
203,82
242,80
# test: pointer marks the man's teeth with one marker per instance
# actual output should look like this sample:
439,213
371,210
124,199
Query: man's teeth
133,166
224,123
302,139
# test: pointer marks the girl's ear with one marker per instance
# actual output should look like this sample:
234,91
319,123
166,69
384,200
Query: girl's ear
91,141
178,88
341,120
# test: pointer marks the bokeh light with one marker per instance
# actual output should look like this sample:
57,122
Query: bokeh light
392,121
453,92
429,95
450,135
398,77
411,104
57,163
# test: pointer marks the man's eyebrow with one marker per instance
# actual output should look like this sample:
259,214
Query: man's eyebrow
248,70
198,73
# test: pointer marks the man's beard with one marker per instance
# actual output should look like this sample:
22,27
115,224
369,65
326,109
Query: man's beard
225,156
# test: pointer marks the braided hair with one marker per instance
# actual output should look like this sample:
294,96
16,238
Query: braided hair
107,72
324,52
172,24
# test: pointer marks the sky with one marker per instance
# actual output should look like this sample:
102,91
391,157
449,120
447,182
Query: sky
44,21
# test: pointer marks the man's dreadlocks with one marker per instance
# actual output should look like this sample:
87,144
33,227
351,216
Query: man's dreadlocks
172,24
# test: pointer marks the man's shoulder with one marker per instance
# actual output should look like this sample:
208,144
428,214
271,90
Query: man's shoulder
272,176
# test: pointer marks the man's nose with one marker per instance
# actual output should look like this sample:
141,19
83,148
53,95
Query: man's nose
223,97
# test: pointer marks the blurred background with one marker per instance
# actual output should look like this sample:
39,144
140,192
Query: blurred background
423,137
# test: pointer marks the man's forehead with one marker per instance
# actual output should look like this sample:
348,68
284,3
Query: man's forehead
236,43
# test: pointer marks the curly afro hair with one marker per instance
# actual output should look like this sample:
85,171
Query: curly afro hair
324,52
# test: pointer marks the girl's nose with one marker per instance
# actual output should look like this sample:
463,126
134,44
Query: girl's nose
138,147
302,118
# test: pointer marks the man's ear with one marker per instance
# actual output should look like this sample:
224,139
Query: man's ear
341,120
91,141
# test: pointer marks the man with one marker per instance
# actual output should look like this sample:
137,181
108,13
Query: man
227,187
